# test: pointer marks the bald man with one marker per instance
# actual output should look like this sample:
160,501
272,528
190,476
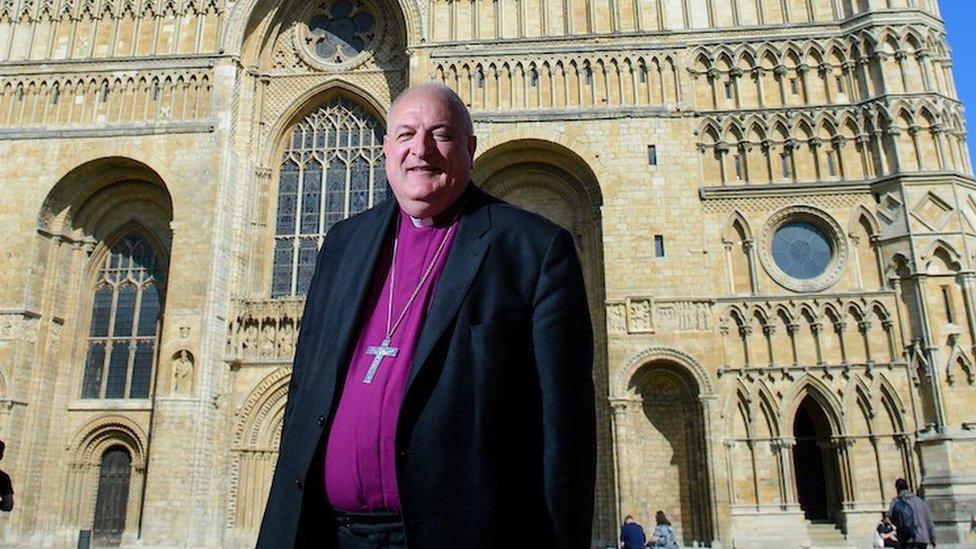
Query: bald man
441,392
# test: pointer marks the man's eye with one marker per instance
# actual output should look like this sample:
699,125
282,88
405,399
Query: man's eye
442,136
404,136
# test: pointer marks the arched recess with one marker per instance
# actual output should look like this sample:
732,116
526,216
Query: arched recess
554,181
255,451
85,212
88,213
739,247
819,454
84,460
863,231
667,420
249,22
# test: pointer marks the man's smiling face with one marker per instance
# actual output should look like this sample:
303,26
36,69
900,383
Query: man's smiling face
429,151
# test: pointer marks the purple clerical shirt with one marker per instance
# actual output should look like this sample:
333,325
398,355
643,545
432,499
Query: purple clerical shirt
360,460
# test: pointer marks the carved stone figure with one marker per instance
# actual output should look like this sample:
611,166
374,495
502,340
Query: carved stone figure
268,341
182,372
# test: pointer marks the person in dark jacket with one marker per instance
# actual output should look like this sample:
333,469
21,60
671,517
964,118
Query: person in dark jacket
923,529
632,534
6,486
886,530
441,393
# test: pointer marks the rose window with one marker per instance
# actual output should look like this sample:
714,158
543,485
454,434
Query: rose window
341,30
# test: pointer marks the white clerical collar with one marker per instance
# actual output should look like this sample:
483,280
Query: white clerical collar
421,221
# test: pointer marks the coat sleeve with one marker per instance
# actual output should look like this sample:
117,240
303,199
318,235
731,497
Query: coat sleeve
563,347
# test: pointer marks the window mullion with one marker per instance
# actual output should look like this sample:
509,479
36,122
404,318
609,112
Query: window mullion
109,338
133,340
299,207
346,164
323,198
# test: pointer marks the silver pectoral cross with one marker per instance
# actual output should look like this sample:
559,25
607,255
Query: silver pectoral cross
379,352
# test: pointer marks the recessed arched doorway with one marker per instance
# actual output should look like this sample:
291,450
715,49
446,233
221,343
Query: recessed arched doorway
113,495
672,435
815,462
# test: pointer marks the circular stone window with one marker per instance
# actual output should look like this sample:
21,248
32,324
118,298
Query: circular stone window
338,33
803,249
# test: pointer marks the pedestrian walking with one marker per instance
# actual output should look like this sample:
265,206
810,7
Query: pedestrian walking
912,518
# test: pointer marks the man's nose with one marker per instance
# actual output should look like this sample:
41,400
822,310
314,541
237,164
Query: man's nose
423,144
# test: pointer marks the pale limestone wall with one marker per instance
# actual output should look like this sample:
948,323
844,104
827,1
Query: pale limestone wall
854,126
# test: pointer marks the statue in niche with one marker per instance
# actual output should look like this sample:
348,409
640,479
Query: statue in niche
250,342
267,341
286,341
182,372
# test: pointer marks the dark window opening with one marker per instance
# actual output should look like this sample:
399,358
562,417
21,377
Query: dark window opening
784,160
947,302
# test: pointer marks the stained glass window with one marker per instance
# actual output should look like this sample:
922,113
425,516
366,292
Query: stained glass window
125,317
342,30
332,168
801,250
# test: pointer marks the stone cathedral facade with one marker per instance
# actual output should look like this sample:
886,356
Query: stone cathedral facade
772,200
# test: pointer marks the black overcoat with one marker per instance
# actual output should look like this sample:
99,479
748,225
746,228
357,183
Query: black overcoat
496,437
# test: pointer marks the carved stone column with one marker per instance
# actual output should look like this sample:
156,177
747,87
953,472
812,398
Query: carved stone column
750,247
744,333
787,478
816,328
919,157
620,408
864,328
769,330
791,330
844,446
905,445
730,446
839,328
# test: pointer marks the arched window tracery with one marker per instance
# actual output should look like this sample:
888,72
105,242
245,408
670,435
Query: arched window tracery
126,308
332,168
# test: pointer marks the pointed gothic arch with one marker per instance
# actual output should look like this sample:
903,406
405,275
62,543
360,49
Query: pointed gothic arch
328,164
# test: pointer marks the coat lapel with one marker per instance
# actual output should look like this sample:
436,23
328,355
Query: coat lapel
355,270
460,268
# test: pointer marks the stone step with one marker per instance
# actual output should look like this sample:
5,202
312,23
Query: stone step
825,535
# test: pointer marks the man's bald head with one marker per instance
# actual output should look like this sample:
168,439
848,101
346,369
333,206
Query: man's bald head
446,94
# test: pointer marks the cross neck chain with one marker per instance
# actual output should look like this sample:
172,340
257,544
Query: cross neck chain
390,325
384,349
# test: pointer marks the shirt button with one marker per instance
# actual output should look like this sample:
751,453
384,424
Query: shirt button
298,483
321,421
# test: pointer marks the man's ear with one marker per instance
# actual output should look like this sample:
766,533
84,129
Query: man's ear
472,146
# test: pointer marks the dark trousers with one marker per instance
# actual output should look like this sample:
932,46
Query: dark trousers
382,530
913,545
